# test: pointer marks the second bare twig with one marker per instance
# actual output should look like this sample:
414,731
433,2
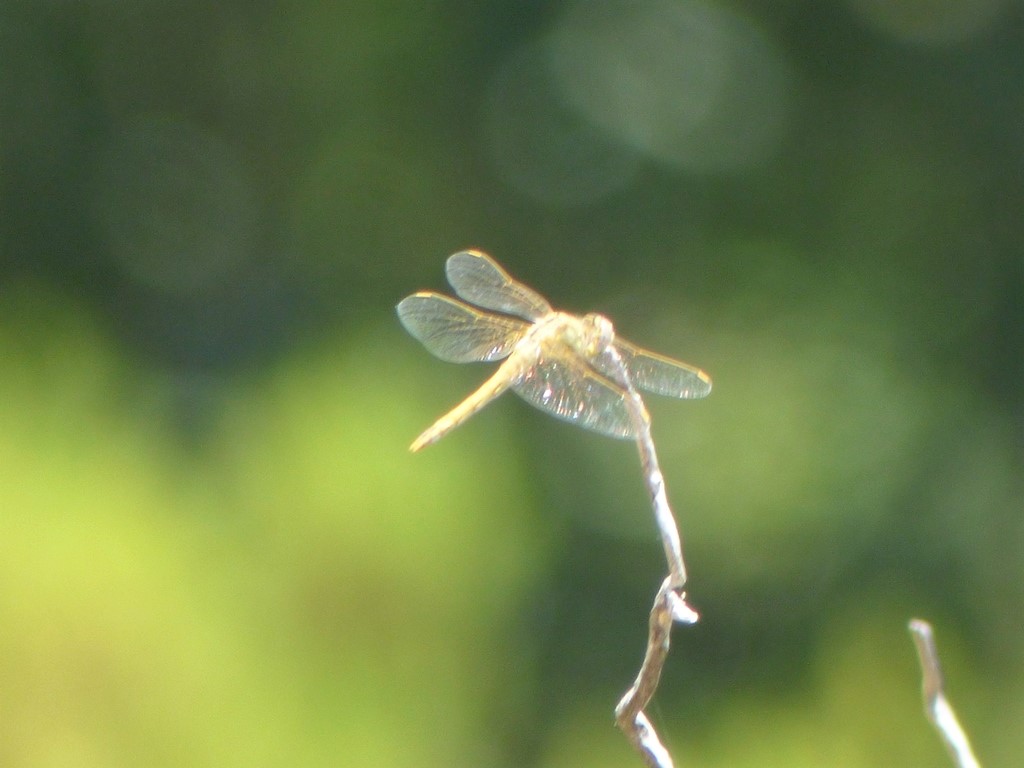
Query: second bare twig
936,707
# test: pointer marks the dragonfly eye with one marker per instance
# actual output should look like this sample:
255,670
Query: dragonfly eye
599,333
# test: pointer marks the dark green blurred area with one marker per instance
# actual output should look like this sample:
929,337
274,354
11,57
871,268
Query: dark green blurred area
214,546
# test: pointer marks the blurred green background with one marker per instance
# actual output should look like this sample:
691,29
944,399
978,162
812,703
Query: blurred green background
215,549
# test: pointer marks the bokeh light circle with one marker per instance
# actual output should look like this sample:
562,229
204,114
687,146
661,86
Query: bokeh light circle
930,22
175,206
542,148
689,83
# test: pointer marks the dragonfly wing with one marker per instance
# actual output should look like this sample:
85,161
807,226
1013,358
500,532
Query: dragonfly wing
569,390
660,375
477,278
457,332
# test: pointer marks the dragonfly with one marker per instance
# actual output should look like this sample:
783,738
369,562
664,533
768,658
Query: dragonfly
555,361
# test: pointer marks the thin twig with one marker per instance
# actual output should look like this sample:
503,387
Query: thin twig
670,603
936,707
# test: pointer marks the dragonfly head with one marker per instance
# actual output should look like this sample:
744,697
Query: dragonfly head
598,333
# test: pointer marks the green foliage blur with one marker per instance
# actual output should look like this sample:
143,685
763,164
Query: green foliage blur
215,549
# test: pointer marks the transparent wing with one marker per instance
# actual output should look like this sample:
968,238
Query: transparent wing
660,375
457,332
477,278
569,390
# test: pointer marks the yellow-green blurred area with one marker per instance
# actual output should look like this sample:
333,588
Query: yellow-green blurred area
215,548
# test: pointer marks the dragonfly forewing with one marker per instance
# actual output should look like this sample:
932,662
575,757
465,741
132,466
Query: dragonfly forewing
657,374
457,332
477,278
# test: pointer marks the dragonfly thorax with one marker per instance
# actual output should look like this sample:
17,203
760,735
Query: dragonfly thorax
590,334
